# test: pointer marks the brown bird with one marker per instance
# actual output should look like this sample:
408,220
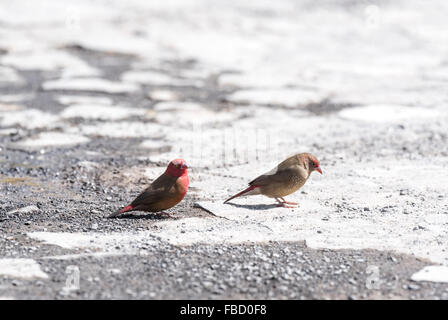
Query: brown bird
288,177
165,192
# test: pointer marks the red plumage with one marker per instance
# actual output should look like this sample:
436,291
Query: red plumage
241,193
165,192
126,209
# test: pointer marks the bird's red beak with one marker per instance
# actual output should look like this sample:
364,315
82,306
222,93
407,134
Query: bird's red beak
318,169
184,166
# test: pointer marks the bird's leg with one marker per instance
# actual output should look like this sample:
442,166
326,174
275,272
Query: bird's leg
283,203
163,214
291,203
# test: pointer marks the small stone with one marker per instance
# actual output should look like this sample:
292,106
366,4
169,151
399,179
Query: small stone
27,209
393,259
413,287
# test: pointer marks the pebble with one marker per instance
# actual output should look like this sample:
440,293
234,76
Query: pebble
27,209
413,287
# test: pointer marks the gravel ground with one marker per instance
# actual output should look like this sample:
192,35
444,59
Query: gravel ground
252,271
153,84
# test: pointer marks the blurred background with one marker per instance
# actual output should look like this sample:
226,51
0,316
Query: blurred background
77,72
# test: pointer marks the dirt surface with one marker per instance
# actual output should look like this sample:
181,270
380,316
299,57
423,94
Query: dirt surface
96,100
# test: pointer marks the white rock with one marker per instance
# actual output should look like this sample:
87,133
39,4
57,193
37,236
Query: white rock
28,209
7,132
9,76
21,268
29,118
256,79
49,139
179,106
432,274
6,107
110,243
162,95
153,144
14,97
153,78
98,255
122,129
65,99
90,84
100,112
114,271
88,165
290,97
189,114
50,60
387,113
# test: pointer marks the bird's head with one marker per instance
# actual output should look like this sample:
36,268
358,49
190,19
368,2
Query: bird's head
177,168
311,163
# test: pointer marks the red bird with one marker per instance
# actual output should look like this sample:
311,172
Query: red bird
165,192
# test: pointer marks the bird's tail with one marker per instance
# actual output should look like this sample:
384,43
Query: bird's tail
125,209
244,192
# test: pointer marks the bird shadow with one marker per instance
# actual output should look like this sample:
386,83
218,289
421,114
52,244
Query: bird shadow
254,206
149,216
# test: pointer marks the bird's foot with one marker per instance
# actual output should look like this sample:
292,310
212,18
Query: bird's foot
288,202
285,205
166,215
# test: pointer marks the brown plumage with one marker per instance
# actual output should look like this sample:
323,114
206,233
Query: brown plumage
288,177
165,192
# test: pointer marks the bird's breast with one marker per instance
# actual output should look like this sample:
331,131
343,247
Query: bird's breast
182,185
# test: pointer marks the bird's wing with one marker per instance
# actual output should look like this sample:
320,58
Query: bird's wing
163,187
276,175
